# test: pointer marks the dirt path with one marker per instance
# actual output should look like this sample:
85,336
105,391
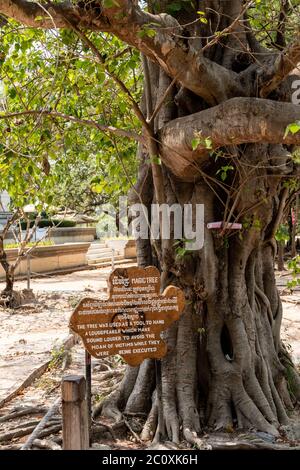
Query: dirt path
31,335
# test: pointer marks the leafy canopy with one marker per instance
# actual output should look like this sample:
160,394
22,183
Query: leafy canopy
43,158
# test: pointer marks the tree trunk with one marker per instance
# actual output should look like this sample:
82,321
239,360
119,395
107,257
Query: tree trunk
226,366
9,280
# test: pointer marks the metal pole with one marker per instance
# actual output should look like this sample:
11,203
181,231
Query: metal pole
28,271
88,378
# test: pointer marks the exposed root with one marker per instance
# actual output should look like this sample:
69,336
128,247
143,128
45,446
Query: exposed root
167,384
186,385
140,396
46,444
247,379
10,299
192,438
39,430
16,299
9,435
110,406
23,412
150,425
99,429
136,437
50,430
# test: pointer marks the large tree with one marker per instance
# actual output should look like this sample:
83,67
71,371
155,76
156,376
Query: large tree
217,109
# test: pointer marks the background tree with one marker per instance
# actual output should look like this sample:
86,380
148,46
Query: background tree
25,182
23,228
83,186
217,110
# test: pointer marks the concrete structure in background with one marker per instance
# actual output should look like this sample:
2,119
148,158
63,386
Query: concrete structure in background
59,236
102,252
4,208
72,235
46,259
4,201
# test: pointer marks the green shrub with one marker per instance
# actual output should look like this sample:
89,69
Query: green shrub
24,224
44,223
64,223
56,223
10,246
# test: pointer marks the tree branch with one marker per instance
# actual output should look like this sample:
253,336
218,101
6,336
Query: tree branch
284,64
281,28
154,35
237,121
82,122
32,14
114,77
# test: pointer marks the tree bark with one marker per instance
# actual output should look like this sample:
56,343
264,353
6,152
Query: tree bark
295,228
280,256
225,365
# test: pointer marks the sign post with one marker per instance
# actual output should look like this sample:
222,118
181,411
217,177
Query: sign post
129,323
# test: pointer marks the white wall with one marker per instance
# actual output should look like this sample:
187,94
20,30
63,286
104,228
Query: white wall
5,200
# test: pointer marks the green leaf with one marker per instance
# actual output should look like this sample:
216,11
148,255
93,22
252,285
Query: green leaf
110,3
40,18
208,143
294,127
199,140
147,32
12,93
223,171
195,143
282,234
155,159
99,188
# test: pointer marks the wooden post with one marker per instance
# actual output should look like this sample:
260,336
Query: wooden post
75,413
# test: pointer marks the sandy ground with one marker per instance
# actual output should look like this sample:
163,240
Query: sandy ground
31,335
